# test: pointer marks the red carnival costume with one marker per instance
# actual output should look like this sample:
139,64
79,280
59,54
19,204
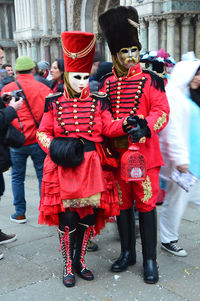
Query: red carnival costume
71,190
141,94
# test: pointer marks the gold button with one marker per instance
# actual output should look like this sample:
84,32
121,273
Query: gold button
134,109
59,113
75,106
91,117
59,118
117,112
107,90
76,123
93,100
75,100
90,123
62,123
119,88
66,132
92,110
131,112
60,108
118,92
75,111
77,130
140,83
57,102
139,87
120,79
118,97
143,77
117,107
75,117
133,71
136,97
118,101
138,91
93,106
89,132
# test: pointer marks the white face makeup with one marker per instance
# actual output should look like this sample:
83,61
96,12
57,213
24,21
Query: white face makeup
129,56
78,81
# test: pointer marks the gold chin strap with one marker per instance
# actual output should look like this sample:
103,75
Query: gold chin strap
71,92
120,69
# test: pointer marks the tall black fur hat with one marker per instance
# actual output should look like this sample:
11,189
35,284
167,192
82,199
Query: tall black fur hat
67,152
120,26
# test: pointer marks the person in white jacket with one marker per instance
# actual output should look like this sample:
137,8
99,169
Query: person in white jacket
180,147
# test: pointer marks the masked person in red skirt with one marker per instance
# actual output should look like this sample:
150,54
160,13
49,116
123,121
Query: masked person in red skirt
74,183
141,94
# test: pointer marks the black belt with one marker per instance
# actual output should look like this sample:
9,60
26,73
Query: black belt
88,145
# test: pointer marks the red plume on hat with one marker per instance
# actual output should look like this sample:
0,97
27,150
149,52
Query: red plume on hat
78,50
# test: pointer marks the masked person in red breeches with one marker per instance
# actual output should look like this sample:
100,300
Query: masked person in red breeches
74,183
141,94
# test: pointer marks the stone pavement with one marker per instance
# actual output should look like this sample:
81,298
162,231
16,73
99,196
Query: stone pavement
32,266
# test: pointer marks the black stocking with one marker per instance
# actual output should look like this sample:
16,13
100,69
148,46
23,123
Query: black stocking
69,219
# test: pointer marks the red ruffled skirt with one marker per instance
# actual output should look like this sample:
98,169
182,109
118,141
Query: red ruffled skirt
87,179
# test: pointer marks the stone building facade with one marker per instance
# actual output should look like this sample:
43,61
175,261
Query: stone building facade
33,27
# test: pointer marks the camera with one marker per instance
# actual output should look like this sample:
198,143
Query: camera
16,94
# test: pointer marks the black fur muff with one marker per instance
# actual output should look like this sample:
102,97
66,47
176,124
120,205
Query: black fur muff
67,152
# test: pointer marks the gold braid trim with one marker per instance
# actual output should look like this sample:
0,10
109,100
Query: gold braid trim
120,194
161,120
147,189
44,140
93,200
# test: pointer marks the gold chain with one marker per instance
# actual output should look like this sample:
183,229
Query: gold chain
81,53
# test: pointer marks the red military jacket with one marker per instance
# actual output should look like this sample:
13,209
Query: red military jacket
88,117
140,93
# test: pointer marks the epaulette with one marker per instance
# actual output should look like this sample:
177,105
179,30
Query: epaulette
156,80
102,97
50,99
103,78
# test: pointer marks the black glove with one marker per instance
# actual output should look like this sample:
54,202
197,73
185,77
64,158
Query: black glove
140,130
130,121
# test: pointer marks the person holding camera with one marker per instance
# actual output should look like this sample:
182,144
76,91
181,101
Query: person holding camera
7,114
29,115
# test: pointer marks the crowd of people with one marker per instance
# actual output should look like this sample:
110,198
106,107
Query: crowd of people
84,114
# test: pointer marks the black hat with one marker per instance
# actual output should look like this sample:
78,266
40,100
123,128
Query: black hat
120,26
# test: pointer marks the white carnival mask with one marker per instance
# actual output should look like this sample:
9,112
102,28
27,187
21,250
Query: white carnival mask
78,81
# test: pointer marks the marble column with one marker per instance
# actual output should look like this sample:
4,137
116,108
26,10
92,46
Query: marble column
185,34
34,50
171,35
13,56
29,50
54,17
16,8
20,52
5,21
44,19
33,14
153,34
163,34
63,15
197,37
46,47
24,49
143,35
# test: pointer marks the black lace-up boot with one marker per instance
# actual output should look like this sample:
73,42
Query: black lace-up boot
67,248
83,235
